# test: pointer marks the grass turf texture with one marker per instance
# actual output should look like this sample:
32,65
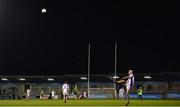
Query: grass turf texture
88,103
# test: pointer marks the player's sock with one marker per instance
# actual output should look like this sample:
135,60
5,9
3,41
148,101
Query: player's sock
127,103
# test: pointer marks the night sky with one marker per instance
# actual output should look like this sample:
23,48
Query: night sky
55,43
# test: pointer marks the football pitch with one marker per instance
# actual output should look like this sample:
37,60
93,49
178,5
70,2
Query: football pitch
88,103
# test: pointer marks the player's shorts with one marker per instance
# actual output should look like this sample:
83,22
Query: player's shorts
128,87
121,95
28,94
139,95
65,93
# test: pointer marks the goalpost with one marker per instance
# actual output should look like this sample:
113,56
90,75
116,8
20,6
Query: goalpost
89,62
113,89
115,69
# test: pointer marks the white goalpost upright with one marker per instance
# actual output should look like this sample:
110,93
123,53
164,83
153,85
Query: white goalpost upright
115,69
89,62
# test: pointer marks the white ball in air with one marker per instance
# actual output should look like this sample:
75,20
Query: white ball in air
43,10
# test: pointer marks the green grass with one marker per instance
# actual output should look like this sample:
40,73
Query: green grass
88,103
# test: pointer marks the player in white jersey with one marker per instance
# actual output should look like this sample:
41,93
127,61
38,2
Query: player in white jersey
129,82
65,89
53,94
121,93
28,92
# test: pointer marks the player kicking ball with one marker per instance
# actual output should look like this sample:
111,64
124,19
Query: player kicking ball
129,82
65,89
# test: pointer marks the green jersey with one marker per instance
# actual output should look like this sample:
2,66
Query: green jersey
139,92
75,90
41,92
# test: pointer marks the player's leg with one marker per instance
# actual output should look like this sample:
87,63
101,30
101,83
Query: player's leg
138,97
121,97
127,94
75,97
78,96
141,98
27,96
66,98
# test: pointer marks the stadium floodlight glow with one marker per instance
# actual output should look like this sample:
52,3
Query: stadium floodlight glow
22,79
115,77
83,78
4,79
147,77
50,79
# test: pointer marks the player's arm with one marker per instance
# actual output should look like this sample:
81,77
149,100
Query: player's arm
138,90
120,81
125,77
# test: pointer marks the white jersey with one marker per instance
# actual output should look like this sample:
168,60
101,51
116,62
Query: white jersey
65,87
121,91
53,93
130,81
28,92
84,94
